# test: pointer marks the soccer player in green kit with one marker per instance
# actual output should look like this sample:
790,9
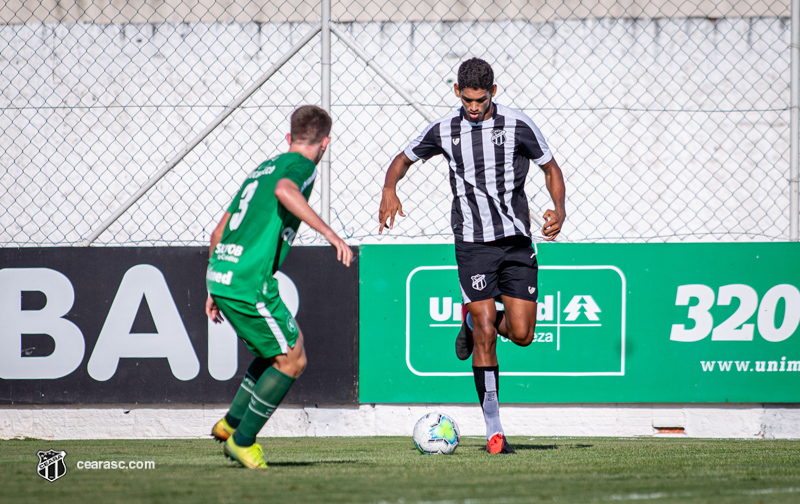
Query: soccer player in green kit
247,247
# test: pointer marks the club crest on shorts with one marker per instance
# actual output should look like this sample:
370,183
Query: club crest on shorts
51,464
498,137
290,323
531,290
479,282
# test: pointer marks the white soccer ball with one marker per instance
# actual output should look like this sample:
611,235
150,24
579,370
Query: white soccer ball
436,434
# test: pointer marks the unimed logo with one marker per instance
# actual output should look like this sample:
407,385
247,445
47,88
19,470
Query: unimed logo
580,329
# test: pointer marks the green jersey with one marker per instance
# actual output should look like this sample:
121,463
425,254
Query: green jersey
260,230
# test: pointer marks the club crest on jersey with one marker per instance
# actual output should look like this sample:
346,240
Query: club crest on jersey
498,137
51,465
456,140
479,282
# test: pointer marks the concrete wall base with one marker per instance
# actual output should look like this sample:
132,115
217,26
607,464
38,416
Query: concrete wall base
612,420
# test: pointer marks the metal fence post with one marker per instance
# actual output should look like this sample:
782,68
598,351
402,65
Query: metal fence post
325,168
794,162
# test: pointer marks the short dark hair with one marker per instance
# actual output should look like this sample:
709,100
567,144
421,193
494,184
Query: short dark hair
310,124
475,74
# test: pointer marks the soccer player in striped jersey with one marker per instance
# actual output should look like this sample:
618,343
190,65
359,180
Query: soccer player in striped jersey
247,248
488,148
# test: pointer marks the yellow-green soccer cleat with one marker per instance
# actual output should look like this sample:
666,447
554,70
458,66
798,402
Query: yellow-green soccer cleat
251,456
221,431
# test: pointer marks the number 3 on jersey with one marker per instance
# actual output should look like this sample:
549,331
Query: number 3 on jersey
247,194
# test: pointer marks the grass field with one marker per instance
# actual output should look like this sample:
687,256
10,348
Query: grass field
333,470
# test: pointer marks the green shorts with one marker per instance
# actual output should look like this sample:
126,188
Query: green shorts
266,326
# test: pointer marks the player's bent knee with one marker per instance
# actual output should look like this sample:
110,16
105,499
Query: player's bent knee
299,365
293,370
484,327
484,336
525,339
485,346
293,367
524,342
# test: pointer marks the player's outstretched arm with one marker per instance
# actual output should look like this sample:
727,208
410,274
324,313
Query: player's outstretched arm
290,196
390,203
554,219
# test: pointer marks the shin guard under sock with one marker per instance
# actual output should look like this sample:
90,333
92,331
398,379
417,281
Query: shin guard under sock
267,396
242,397
486,383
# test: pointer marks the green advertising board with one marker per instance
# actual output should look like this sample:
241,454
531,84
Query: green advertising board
615,323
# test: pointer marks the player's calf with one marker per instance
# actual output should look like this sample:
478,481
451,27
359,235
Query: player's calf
485,345
464,341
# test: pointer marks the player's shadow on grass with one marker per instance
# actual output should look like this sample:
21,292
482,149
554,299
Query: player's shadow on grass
322,462
518,446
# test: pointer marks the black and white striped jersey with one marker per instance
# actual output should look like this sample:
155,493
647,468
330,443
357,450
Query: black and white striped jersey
489,162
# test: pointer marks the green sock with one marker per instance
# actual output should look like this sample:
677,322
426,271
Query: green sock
245,392
267,395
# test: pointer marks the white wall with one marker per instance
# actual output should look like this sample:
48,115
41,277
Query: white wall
749,421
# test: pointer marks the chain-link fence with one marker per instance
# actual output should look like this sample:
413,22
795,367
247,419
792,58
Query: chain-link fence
669,118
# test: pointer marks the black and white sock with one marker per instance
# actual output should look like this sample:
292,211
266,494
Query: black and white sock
486,383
